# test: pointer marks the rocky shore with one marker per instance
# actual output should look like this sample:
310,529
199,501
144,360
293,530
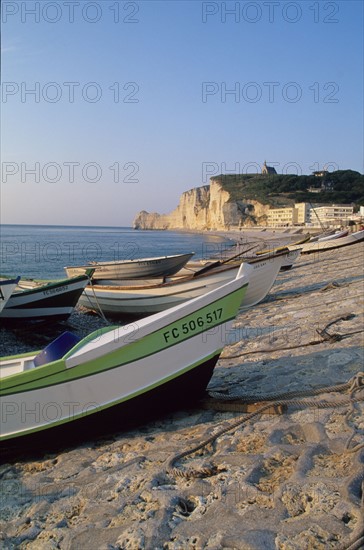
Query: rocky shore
287,479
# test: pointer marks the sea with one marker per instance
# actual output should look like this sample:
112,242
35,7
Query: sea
42,251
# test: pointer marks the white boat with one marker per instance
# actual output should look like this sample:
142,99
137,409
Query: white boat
315,238
167,358
320,246
7,286
151,298
289,259
336,235
162,266
52,301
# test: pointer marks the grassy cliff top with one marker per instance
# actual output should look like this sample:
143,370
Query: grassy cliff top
342,186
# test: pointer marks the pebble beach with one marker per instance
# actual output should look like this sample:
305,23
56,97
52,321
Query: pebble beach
287,478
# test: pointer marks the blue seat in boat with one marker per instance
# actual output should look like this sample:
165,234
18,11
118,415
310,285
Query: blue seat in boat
56,349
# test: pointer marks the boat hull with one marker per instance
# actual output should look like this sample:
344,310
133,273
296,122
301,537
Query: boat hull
262,279
114,300
288,260
178,393
7,287
337,235
320,246
54,301
134,269
115,366
292,257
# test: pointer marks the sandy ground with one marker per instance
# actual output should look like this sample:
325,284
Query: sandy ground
288,481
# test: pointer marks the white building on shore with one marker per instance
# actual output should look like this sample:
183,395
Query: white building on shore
304,213
295,215
335,214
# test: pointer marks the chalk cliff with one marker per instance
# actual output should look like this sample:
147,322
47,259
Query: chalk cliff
207,207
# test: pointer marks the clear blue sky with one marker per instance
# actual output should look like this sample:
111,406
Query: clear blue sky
166,122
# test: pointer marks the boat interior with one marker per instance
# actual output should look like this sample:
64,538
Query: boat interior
55,350
16,365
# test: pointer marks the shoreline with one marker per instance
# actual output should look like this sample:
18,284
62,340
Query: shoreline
287,481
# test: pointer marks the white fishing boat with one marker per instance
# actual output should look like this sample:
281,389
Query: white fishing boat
320,246
329,235
7,286
336,235
288,261
162,266
52,301
166,358
134,299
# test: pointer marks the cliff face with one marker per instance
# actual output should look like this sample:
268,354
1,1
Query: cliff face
207,207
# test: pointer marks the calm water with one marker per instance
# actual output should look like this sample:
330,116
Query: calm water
43,251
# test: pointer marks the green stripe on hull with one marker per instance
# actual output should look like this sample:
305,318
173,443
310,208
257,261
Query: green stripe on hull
170,335
114,403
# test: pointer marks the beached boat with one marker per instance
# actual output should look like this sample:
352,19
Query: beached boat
336,235
274,247
166,358
7,287
320,246
150,298
288,261
326,233
44,301
329,235
163,266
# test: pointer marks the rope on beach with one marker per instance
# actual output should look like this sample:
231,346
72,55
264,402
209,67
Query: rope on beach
325,337
332,261
289,395
355,384
293,295
333,285
212,469
352,297
333,338
102,315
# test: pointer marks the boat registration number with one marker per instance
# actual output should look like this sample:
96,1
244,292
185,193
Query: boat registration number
52,291
193,325
150,262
